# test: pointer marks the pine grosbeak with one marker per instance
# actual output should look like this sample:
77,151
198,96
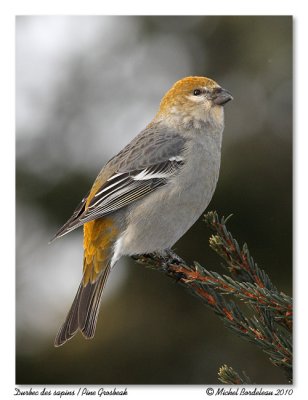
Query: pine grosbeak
148,195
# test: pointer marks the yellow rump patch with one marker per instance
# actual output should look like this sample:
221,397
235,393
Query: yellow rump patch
99,238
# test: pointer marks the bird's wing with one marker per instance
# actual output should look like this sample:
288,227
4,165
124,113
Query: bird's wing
143,166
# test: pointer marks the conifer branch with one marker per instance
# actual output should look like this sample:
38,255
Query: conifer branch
238,260
229,376
270,328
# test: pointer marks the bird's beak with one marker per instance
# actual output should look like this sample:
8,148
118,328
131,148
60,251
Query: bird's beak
221,96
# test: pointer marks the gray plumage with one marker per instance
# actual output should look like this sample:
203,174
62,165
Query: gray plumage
181,202
151,151
84,310
153,190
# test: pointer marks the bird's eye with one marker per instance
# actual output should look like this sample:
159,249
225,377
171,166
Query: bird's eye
197,92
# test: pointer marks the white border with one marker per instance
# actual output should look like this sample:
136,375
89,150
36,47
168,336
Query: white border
133,7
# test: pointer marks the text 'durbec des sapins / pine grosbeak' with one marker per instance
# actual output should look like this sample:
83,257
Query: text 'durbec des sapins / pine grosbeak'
148,195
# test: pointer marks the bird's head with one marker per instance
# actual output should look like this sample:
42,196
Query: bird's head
194,100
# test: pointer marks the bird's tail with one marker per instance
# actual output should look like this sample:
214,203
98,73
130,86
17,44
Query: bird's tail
84,310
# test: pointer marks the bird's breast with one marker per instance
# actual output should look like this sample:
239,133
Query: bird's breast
160,219
201,169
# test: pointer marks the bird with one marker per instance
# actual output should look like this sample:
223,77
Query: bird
149,194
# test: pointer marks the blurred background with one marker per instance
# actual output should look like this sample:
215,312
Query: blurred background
85,86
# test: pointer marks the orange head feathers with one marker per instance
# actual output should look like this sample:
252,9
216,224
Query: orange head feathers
193,98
